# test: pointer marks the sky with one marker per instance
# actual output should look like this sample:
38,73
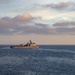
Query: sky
42,21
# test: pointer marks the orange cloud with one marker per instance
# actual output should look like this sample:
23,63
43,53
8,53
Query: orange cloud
24,17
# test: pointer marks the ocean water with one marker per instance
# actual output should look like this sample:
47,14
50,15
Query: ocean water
46,60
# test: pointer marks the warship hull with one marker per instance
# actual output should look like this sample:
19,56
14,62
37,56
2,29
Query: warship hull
23,47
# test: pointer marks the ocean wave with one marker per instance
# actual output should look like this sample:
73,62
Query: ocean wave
57,50
10,60
5,48
61,60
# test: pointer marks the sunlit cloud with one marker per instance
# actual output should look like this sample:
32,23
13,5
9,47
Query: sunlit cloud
22,24
27,24
43,19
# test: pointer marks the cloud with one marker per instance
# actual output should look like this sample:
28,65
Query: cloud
65,27
54,10
27,24
41,25
61,6
70,31
64,24
11,25
22,18
23,24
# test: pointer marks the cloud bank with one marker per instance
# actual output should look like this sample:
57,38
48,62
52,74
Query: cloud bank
22,24
61,6
26,24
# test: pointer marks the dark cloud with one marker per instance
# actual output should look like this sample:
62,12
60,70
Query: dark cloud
64,24
41,25
36,30
65,27
65,30
62,6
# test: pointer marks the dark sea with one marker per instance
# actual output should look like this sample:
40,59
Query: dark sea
46,60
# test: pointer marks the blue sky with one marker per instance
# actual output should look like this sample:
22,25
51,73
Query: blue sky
49,19
15,7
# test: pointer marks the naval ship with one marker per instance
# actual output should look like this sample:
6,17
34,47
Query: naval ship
29,44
